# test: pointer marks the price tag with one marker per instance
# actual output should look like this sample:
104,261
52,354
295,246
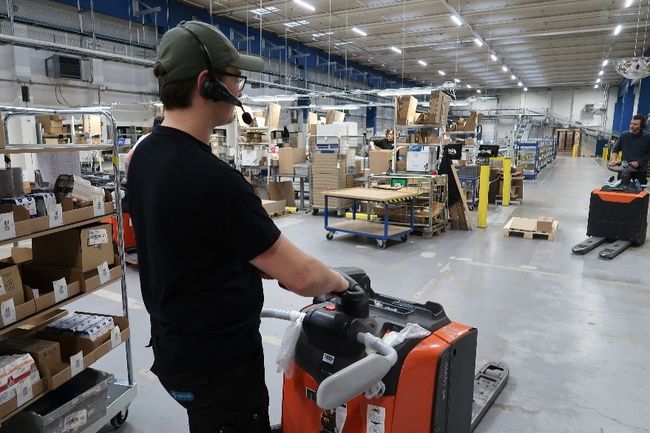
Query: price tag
36,293
56,216
116,337
75,420
60,290
7,226
98,207
104,273
97,237
8,312
24,392
2,287
76,364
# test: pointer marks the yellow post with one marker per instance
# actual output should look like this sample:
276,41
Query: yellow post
507,182
575,150
605,154
620,156
483,190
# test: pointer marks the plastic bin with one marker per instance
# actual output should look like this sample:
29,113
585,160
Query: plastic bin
79,402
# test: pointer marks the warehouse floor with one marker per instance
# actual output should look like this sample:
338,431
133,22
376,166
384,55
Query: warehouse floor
572,329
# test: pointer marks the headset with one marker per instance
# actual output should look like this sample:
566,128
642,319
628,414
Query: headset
213,89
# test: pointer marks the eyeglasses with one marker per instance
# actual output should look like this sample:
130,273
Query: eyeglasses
241,82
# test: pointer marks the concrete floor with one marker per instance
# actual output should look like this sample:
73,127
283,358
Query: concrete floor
572,329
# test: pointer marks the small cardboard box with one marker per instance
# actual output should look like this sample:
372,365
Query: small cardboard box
18,255
274,207
12,404
41,277
406,106
92,124
51,124
418,161
282,191
84,248
334,116
545,224
439,107
379,161
23,310
272,118
12,283
47,354
289,156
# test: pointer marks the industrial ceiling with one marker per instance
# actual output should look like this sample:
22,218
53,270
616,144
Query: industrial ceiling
535,43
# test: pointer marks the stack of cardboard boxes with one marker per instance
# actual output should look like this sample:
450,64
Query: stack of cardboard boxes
328,172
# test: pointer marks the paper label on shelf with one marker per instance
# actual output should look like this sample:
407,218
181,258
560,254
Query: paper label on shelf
2,287
24,392
8,312
56,216
76,364
97,237
60,290
116,337
98,207
104,273
7,226
75,420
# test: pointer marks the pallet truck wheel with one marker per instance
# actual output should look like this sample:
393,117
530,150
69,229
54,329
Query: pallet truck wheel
329,236
381,244
119,419
314,211
404,238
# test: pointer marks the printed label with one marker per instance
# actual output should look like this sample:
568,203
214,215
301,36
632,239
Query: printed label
75,420
24,392
376,419
328,358
76,364
99,209
2,287
97,237
104,273
7,226
116,337
56,216
60,290
8,312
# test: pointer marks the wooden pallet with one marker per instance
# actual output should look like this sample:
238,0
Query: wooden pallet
509,230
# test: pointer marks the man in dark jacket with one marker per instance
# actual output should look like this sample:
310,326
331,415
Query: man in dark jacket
635,146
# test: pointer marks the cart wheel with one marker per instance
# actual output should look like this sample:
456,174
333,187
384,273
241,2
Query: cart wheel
314,211
381,244
340,213
329,236
470,207
404,237
119,419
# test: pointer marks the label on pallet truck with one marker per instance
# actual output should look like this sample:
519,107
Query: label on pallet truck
7,226
75,420
376,419
24,392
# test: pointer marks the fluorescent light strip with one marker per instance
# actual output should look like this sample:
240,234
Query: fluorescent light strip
618,29
525,89
628,3
422,62
478,42
494,57
456,20
359,31
395,49
504,68
512,77
596,86
520,84
478,90
457,80
605,62
469,87
441,73
305,5
598,80
601,73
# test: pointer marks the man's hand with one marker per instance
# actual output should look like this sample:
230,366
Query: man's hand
613,162
634,164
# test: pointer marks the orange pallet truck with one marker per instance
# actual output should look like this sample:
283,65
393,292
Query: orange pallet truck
369,363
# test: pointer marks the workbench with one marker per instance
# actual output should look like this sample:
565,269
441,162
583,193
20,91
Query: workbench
381,232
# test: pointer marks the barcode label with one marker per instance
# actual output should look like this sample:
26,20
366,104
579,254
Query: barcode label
97,237
75,420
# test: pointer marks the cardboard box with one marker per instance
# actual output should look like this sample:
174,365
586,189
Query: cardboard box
92,124
272,116
406,106
439,107
290,156
334,116
545,224
84,248
11,405
274,207
12,283
51,124
46,354
21,218
41,277
418,161
379,161
471,123
23,310
282,191
18,255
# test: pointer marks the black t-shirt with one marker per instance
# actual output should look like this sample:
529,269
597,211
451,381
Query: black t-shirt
383,144
198,223
635,147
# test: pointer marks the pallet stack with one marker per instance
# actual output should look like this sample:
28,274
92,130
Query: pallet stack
329,172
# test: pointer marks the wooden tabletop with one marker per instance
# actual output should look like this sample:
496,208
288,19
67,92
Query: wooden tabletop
374,194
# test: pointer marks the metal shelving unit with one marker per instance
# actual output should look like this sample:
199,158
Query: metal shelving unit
123,393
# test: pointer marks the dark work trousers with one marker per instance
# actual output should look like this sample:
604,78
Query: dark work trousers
641,175
227,401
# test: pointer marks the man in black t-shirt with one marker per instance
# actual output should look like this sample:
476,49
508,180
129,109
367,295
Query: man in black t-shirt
384,143
635,146
205,241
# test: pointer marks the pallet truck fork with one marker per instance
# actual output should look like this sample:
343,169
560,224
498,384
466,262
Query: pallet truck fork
365,362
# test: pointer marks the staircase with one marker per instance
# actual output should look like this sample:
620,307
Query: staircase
522,129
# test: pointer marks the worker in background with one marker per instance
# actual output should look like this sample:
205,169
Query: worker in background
205,241
384,143
635,146
127,159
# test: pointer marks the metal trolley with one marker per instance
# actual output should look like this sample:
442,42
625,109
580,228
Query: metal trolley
430,206
120,393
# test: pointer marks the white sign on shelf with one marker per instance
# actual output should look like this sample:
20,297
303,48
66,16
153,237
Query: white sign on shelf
99,209
2,287
76,364
24,392
97,237
56,216
8,312
7,226
104,273
60,290
116,337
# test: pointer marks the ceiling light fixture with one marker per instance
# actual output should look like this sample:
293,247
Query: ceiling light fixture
271,98
605,62
525,89
469,87
457,80
395,49
292,24
520,84
618,29
598,80
456,20
264,11
305,5
478,90
478,42
596,86
601,73
441,73
339,107
512,77
504,68
359,31
628,3
494,57
422,62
